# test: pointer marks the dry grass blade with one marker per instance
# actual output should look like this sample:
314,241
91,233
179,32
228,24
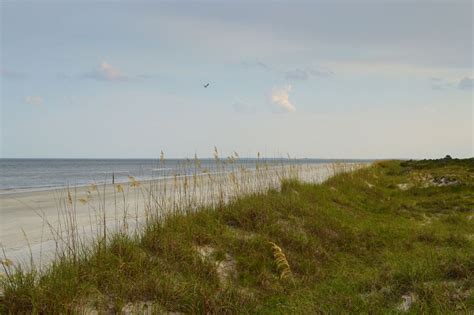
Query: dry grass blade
7,262
281,262
119,188
84,200
133,182
69,198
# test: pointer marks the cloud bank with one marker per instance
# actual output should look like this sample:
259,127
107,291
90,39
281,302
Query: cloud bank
279,98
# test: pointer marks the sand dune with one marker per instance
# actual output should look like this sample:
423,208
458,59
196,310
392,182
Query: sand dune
33,222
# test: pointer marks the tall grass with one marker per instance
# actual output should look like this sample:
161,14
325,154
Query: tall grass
135,204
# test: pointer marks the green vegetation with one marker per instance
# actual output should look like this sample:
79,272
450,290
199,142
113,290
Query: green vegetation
390,238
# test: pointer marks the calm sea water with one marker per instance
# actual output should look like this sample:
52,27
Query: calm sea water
39,174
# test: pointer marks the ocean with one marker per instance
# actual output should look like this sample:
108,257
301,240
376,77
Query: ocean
41,174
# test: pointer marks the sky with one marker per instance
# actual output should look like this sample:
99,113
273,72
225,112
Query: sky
319,79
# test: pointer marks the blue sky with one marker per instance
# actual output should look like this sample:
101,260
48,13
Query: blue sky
353,79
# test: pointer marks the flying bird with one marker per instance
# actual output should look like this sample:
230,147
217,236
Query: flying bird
206,85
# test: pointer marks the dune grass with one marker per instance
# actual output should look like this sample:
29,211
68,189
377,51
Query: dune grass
390,238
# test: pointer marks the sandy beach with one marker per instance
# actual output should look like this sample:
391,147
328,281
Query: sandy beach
33,222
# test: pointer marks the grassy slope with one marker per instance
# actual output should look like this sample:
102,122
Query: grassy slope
356,243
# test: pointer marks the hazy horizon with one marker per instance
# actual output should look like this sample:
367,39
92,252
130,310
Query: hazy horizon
352,79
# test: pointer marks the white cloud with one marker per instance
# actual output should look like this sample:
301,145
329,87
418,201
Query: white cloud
279,97
110,72
106,72
34,100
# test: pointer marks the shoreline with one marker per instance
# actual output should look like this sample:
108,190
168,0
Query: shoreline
10,192
13,190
